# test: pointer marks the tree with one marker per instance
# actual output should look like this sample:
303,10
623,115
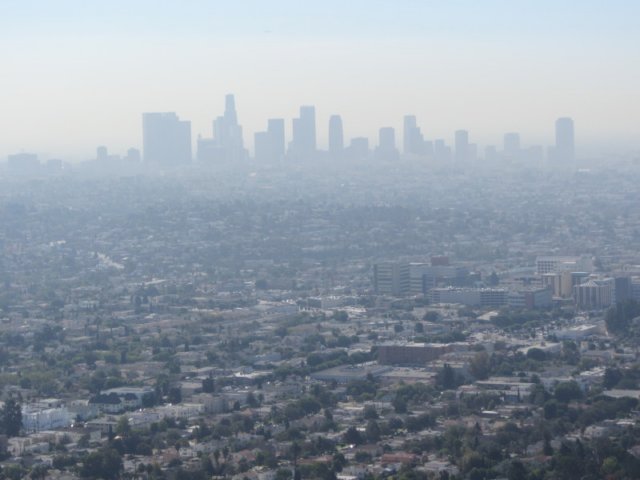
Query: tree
175,395
431,316
352,436
446,378
252,401
516,470
570,352
39,471
123,428
537,354
341,316
479,365
105,463
208,385
612,377
567,391
370,412
372,432
11,417
547,449
399,404
14,472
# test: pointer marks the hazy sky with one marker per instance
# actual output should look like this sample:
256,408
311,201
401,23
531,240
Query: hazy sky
78,73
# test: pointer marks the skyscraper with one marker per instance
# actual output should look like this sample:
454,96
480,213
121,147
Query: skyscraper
511,145
23,163
413,140
387,144
166,139
102,155
461,146
262,147
441,151
565,143
303,144
336,136
358,148
269,145
133,155
410,124
275,128
228,133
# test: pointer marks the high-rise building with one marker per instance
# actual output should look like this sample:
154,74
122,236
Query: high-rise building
595,293
387,144
133,155
461,146
166,139
303,144
441,151
565,143
413,140
269,145
623,289
511,146
410,125
227,133
358,148
336,135
391,278
102,155
23,163
275,128
491,153
262,146
533,155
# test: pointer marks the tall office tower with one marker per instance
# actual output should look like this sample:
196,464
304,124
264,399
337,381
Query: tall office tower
133,155
428,148
410,125
228,134
230,109
208,151
511,146
391,278
269,145
166,139
275,128
491,154
23,163
336,136
472,152
102,155
565,143
387,144
413,141
461,146
303,144
358,148
441,151
533,155
262,147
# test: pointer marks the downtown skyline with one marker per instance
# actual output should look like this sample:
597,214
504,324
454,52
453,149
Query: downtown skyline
75,77
168,141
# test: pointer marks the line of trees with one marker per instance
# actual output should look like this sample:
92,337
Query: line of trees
11,417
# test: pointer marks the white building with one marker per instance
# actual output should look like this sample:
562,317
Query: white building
595,294
36,419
